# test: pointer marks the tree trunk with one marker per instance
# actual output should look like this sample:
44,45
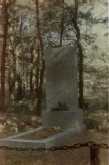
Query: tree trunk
11,87
31,72
41,78
37,72
80,55
62,28
3,57
12,81
19,89
31,82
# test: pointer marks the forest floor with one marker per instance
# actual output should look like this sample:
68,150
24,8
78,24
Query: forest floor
97,126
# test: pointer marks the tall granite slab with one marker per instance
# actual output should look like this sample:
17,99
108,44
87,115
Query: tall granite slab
61,77
61,87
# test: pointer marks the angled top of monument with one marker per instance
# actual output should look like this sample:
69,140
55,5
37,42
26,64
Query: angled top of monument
60,55
72,2
69,2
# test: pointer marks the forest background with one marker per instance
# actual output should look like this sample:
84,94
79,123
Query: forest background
28,28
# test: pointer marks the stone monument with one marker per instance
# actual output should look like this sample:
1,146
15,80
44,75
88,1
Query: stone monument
61,89
62,102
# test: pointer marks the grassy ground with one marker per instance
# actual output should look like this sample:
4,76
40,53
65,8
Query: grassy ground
97,133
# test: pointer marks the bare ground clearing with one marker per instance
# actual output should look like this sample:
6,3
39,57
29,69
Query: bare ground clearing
42,134
69,157
79,156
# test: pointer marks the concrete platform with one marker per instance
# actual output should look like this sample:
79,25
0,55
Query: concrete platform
56,140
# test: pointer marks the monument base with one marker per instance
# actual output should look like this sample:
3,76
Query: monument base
59,139
63,119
